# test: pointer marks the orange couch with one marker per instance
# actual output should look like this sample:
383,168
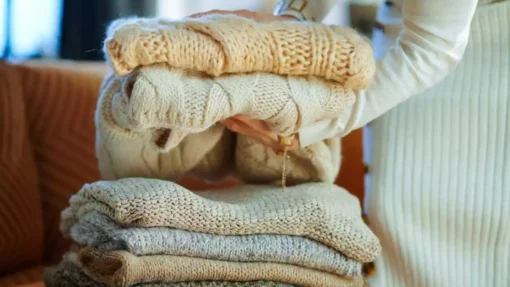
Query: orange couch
47,153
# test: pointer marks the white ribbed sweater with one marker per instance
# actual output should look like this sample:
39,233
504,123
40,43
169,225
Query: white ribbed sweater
440,188
440,185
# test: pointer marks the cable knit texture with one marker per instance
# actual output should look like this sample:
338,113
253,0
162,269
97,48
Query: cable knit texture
220,44
158,96
69,273
120,268
99,231
158,150
318,211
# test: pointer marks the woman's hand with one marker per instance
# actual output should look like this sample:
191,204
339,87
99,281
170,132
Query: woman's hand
258,130
257,16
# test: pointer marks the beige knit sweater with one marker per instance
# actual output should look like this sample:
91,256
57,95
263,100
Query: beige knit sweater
135,117
220,44
319,211
121,268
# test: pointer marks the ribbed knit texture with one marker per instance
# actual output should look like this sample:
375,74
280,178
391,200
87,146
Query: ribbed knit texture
220,44
440,197
98,231
60,105
21,226
120,268
69,273
319,211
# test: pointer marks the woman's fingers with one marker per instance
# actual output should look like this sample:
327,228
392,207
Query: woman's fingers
241,13
248,130
257,16
258,125
258,130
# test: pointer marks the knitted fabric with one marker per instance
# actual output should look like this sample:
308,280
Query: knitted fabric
70,274
156,151
319,211
152,153
220,44
98,231
257,163
120,268
157,96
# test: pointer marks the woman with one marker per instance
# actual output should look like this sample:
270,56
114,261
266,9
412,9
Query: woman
440,192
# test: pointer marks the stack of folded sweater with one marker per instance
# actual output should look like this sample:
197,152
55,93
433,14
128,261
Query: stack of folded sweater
149,231
157,120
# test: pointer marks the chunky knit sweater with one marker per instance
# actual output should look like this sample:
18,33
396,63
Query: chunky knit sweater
322,212
120,268
69,273
220,44
277,72
99,231
135,119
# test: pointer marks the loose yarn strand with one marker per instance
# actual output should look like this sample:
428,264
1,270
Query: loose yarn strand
286,142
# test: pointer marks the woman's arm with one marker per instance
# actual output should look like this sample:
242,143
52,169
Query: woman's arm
433,40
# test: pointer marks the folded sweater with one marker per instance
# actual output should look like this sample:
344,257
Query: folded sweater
121,268
220,44
69,273
99,231
158,96
322,212
156,151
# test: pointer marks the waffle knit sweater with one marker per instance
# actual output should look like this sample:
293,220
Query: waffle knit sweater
98,231
219,44
319,211
120,268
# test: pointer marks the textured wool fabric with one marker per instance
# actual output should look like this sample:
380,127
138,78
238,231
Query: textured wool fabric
158,96
121,268
99,231
257,163
70,274
156,151
220,44
440,183
319,211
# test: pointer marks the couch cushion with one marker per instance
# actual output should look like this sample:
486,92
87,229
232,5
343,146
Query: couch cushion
60,104
21,237
27,277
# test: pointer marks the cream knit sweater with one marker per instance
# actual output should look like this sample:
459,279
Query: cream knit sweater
159,152
220,44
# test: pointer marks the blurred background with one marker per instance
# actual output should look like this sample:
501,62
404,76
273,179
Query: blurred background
74,29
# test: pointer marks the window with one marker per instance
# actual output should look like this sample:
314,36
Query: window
30,28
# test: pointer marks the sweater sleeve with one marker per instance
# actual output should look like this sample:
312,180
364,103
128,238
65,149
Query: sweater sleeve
433,40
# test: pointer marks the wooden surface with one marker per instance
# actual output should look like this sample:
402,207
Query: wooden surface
352,171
